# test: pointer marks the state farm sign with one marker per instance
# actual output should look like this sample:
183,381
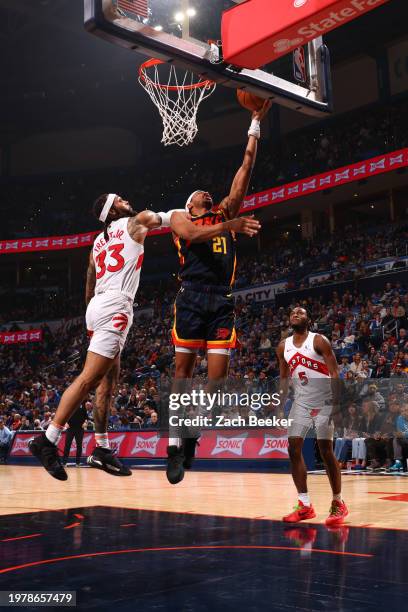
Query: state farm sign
281,26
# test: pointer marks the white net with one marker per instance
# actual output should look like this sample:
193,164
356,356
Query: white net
177,100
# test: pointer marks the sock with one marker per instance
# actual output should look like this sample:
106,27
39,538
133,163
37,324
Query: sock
337,497
304,498
102,440
175,442
54,432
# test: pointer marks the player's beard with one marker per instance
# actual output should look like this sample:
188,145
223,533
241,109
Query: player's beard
299,328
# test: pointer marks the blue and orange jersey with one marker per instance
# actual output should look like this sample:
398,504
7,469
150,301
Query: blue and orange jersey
212,262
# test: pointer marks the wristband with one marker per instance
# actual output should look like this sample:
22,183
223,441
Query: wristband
166,216
255,129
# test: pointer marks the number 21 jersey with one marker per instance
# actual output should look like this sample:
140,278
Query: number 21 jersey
118,262
212,262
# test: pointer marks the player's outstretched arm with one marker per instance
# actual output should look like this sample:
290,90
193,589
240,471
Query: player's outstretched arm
148,220
90,280
184,228
232,203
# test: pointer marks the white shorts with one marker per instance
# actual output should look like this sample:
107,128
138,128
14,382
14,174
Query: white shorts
303,419
109,317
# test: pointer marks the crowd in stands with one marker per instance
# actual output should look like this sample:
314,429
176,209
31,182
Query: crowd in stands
56,205
290,260
343,254
368,335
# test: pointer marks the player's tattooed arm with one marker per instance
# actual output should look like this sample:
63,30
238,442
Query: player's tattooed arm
149,220
90,280
284,374
232,203
142,223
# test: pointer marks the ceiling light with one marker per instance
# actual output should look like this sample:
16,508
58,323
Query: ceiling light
191,12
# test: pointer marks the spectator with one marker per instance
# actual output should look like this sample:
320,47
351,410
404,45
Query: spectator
26,425
17,422
357,365
401,437
399,372
152,422
5,439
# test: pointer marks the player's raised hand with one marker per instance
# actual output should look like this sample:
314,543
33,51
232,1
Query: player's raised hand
245,225
260,114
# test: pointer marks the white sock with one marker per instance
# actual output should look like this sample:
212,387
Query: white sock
337,497
304,498
102,440
53,433
175,442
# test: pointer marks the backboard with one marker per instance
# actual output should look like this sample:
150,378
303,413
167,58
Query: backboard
179,31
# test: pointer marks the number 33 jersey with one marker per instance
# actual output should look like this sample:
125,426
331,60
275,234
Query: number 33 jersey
309,374
118,262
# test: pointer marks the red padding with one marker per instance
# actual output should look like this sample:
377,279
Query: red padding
259,31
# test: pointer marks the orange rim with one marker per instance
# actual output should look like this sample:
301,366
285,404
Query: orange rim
155,62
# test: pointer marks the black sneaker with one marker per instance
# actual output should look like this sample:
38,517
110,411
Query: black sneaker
47,454
103,459
189,447
175,469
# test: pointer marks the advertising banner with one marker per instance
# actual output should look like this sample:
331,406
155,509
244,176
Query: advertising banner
214,444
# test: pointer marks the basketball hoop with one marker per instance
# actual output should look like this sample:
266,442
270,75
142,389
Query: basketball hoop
177,100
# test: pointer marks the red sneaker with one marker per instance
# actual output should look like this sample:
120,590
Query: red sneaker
300,513
338,512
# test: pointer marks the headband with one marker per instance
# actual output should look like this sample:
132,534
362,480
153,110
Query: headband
108,205
190,198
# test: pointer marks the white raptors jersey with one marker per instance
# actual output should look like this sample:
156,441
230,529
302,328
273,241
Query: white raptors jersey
309,373
118,262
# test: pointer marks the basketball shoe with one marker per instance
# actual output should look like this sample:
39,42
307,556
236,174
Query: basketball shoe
300,513
175,464
103,459
338,512
189,447
47,454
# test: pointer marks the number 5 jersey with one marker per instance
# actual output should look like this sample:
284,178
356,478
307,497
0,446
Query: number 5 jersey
309,374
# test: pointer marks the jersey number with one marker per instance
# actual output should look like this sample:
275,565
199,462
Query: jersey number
303,378
220,245
115,255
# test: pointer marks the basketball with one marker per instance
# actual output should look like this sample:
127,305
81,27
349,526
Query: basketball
249,101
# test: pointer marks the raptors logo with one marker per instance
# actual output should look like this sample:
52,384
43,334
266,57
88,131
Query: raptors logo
223,333
120,321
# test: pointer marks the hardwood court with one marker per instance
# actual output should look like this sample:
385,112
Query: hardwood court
215,541
378,501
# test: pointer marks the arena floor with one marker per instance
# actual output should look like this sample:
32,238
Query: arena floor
214,541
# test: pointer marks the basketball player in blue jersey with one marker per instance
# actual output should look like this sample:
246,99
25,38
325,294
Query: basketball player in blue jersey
204,308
